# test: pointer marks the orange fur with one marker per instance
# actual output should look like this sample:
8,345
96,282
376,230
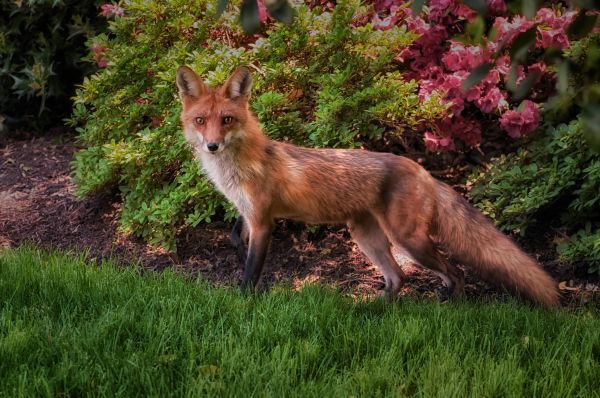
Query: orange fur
386,200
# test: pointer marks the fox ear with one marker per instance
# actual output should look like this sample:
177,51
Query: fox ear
239,84
189,83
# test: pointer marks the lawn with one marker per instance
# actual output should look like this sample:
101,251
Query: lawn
74,329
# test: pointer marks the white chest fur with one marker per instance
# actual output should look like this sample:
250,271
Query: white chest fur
222,171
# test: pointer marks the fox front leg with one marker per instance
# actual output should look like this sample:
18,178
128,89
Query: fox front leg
239,238
260,236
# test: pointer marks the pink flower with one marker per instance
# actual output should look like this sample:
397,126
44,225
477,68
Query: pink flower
439,9
386,5
474,93
520,123
549,17
496,7
507,30
460,57
436,143
98,55
384,24
98,49
465,12
492,100
156,121
552,28
469,131
539,68
262,11
556,38
111,10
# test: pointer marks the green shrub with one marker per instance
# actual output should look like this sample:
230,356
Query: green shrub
42,43
321,81
556,174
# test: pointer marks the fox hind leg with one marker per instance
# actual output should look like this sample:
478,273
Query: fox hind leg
373,242
424,252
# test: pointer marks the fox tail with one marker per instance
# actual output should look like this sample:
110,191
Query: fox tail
472,240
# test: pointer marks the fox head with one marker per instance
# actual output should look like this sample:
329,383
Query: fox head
214,118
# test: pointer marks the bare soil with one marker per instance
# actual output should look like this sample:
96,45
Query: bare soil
37,206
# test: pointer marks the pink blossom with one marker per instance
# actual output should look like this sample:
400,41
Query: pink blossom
507,30
460,57
503,65
111,10
492,78
386,5
98,49
506,73
156,121
384,24
262,10
520,123
469,131
102,63
492,100
556,38
552,20
98,55
439,9
436,143
408,53
465,12
539,68
552,28
496,7
474,93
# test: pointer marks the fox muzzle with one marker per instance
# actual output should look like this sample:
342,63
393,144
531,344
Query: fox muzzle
212,147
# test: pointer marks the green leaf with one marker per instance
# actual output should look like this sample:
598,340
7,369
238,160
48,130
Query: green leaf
523,89
562,76
249,16
521,45
281,11
587,4
477,75
591,125
475,31
530,7
221,5
417,6
582,25
478,5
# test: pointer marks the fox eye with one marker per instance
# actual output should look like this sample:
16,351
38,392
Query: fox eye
227,119
200,120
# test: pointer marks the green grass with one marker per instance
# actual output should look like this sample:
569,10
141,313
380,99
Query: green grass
67,328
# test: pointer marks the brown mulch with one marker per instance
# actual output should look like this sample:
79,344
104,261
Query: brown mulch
37,206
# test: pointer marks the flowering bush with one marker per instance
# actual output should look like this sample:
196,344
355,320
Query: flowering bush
328,79
441,61
557,174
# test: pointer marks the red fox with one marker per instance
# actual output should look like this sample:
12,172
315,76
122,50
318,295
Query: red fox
385,200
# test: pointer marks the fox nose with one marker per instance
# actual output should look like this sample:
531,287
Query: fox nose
212,146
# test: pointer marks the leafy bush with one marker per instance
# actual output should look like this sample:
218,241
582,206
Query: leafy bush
556,174
328,79
42,43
